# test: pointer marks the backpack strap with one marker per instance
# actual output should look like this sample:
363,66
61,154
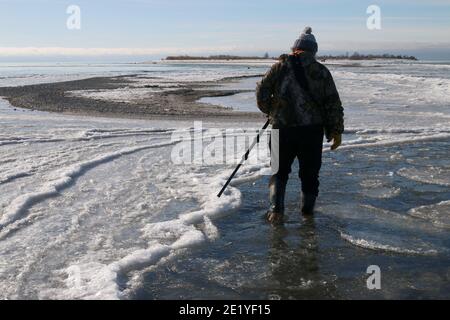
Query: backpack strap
300,76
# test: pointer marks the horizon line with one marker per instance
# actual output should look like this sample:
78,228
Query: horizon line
30,51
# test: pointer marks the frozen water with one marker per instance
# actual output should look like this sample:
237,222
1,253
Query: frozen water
90,208
438,214
85,202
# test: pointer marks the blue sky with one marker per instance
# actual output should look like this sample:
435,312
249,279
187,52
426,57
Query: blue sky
155,28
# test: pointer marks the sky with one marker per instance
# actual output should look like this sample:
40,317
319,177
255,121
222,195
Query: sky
150,29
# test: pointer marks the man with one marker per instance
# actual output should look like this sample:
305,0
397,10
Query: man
300,98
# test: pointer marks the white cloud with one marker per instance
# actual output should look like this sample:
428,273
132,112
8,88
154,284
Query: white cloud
62,51
384,45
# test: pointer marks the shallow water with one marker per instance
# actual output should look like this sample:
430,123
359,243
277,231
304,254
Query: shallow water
328,256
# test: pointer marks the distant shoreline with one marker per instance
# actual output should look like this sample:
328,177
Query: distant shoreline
218,58
354,56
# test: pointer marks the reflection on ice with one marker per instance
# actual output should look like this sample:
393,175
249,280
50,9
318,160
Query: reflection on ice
438,214
428,174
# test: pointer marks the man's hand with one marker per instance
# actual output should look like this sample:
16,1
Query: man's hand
337,141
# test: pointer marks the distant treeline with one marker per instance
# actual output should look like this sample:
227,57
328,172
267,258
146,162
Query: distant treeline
354,56
357,56
217,57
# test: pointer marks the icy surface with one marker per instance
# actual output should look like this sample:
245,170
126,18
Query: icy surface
86,202
90,206
438,214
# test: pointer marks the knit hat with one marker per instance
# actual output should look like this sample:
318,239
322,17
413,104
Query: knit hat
306,42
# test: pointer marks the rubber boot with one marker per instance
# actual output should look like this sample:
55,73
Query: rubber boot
277,189
308,204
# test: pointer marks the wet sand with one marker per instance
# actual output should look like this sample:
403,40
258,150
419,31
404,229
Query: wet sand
179,104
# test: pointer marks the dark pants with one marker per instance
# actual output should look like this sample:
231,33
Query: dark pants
304,143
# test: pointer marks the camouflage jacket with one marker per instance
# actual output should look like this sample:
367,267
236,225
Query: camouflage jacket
288,104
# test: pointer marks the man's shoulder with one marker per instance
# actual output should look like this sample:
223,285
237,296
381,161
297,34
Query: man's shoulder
283,58
278,66
319,70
